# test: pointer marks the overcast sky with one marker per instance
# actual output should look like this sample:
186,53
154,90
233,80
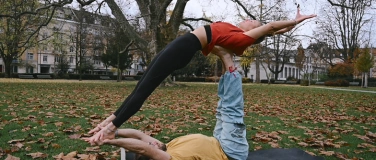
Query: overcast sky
224,10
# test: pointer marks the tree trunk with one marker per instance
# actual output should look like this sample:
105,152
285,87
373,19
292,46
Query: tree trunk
257,69
245,69
276,75
365,79
159,30
8,68
120,73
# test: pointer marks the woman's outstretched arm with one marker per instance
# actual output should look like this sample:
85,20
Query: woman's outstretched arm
277,27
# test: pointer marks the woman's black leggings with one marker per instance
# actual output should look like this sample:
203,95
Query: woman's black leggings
174,56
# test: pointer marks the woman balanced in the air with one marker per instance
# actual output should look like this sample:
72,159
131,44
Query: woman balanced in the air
178,53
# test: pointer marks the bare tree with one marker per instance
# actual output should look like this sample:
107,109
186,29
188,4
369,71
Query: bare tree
263,12
19,30
341,27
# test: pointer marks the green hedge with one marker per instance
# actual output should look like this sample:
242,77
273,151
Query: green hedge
15,75
97,77
338,82
247,80
266,81
372,84
304,82
190,79
212,79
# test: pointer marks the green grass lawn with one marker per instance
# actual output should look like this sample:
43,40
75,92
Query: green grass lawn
45,118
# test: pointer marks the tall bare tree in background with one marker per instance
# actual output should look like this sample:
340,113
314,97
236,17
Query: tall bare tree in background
19,30
160,28
277,52
342,28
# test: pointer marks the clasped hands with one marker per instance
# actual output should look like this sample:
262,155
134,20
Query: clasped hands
101,132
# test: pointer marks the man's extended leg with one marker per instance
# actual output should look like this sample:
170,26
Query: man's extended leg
218,126
233,136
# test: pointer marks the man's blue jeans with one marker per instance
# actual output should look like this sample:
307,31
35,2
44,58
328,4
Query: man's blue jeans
230,128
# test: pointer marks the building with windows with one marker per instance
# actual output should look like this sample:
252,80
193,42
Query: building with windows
312,64
72,37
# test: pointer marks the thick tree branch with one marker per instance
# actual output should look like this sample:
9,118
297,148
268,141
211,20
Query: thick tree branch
177,15
126,47
60,3
38,10
188,25
163,9
198,19
340,5
116,11
45,23
244,8
83,2
99,6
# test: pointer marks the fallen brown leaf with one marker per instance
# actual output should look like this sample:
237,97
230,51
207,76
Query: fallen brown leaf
75,136
59,124
71,154
48,134
92,149
59,156
16,140
303,144
10,157
327,153
37,155
19,145
56,146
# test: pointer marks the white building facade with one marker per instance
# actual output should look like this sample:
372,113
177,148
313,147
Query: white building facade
290,70
59,43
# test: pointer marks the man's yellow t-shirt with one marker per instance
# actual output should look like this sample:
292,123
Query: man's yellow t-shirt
195,147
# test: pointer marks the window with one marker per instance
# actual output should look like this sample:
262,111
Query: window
96,52
293,72
44,35
30,56
297,73
15,69
44,58
29,70
59,36
71,59
57,58
71,49
61,15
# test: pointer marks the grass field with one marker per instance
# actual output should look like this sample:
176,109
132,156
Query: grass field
45,119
